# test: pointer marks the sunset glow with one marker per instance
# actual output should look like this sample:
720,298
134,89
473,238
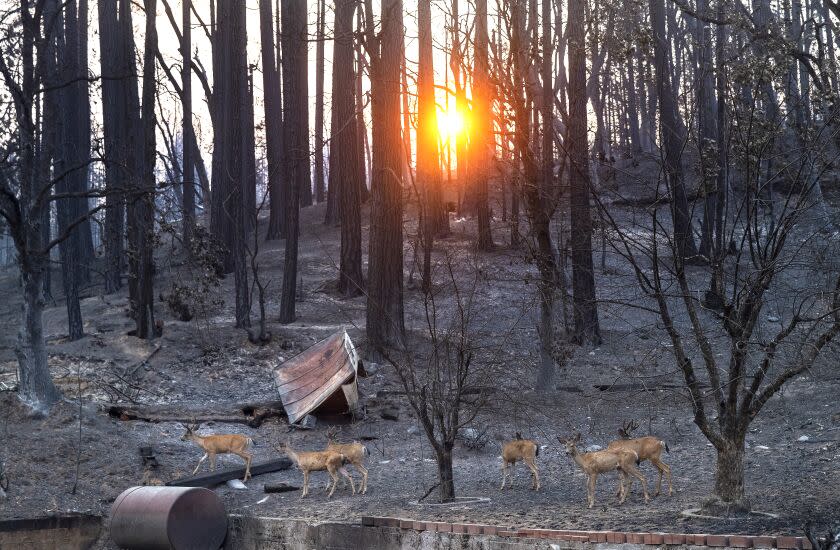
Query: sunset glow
450,124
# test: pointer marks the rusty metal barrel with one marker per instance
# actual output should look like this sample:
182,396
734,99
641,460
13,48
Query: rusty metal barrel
177,518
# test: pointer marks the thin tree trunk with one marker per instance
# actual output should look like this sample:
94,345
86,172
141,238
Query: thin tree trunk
671,136
481,140
273,122
188,168
319,101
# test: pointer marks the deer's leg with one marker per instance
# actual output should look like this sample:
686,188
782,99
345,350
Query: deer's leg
200,460
504,475
247,458
346,474
633,471
663,468
534,474
212,462
363,470
334,477
590,489
305,484
622,488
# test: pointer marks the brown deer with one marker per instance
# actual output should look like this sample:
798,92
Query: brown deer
220,444
318,461
355,454
525,450
600,462
648,448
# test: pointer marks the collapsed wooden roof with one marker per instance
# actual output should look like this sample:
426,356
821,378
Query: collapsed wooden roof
322,377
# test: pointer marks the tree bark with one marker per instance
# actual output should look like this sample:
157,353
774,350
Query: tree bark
384,316
446,489
729,473
345,173
481,132
319,101
273,122
188,168
671,136
586,327
296,141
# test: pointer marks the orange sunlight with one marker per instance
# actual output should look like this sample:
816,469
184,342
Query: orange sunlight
450,124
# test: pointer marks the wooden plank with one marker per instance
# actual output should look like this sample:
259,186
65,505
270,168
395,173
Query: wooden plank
209,479
252,414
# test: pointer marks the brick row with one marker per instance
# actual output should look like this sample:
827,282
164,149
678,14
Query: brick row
596,537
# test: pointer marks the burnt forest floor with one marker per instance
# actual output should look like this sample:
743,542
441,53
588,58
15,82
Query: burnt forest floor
207,361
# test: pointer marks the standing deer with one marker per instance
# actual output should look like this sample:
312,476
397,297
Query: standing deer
354,453
318,461
220,444
648,448
525,450
600,462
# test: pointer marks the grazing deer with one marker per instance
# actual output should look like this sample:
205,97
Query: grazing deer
648,448
525,450
354,453
218,445
600,462
318,461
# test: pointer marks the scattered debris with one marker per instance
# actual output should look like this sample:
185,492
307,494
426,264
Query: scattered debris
413,430
307,423
147,454
252,414
473,438
390,413
369,369
804,438
263,499
236,484
279,488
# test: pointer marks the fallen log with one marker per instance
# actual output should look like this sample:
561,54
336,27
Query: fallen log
210,479
251,414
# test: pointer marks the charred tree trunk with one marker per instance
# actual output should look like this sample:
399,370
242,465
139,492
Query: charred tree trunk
273,122
188,168
671,135
481,140
142,198
296,141
319,101
446,489
385,320
586,327
707,127
344,173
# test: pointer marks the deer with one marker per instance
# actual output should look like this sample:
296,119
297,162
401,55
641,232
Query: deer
525,450
318,461
648,448
600,462
354,453
219,444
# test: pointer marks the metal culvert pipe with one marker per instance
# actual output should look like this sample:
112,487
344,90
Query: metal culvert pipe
179,518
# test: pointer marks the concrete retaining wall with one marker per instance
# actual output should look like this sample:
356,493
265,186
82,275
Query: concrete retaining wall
255,533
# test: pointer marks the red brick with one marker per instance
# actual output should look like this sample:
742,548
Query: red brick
636,538
490,529
717,540
792,543
506,533
420,526
406,523
654,538
473,529
673,538
443,527
386,522
619,538
367,521
696,539
597,536
764,542
740,541
459,528
806,544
